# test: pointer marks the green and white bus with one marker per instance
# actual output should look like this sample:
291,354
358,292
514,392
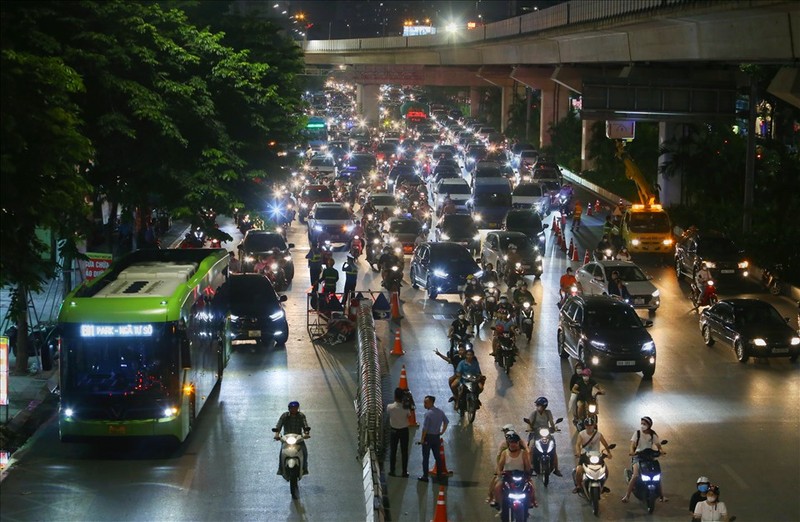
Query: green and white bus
141,346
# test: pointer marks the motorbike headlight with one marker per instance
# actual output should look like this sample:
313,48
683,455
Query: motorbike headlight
593,408
477,218
376,241
538,259
476,298
544,432
518,265
277,315
759,342
287,258
516,496
710,264
68,412
273,266
439,273
249,259
234,317
794,341
657,477
594,459
526,305
291,440
649,346
645,478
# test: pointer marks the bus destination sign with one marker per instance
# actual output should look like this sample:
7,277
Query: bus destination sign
116,330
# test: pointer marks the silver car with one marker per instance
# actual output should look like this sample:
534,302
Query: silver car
593,279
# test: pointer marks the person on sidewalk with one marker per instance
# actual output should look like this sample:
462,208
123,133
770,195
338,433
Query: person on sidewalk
433,428
398,421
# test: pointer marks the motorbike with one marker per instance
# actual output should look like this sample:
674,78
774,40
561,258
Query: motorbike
194,239
707,298
356,247
292,459
573,291
544,451
590,412
595,474
374,251
491,296
276,276
605,254
474,308
517,493
393,279
468,396
458,339
771,278
514,274
525,319
648,484
565,204
506,351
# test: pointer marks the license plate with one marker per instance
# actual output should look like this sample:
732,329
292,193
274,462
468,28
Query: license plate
780,350
626,363
727,271
638,300
116,430
254,333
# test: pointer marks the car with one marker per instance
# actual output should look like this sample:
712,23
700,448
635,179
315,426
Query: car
531,196
383,200
593,279
258,243
402,232
486,170
529,223
311,195
605,333
490,202
444,172
397,171
332,221
253,309
362,162
458,228
714,250
442,268
754,328
322,164
457,189
495,251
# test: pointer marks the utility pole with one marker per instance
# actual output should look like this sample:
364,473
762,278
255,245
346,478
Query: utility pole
750,162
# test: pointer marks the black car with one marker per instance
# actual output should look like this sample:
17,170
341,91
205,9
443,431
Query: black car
714,250
253,308
529,223
258,243
442,268
458,228
402,232
605,332
752,327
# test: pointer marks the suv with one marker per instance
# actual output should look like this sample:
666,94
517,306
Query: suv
605,332
311,195
330,221
254,310
712,249
264,243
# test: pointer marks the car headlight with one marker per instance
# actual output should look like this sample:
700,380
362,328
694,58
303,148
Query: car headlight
68,412
439,273
477,218
744,264
277,315
444,236
599,345
635,242
649,346
710,264
794,341
656,293
759,342
667,242
170,412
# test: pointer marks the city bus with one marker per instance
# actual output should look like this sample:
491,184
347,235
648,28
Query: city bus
141,346
317,133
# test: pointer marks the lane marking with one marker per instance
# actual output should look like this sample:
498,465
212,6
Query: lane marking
739,480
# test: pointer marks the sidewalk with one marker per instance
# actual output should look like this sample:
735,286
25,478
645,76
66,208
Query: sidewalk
31,398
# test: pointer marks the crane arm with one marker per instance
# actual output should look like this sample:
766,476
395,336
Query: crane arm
632,172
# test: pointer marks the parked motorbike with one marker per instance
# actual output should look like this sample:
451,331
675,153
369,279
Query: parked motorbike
708,297
525,320
468,397
292,459
595,474
648,484
544,451
517,493
771,278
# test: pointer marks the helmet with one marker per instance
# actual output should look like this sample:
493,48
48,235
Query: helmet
588,421
587,372
499,328
512,246
508,427
541,401
294,404
470,277
648,420
713,488
512,437
580,365
387,249
461,311
703,480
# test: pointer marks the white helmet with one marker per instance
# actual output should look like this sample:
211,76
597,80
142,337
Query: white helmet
703,480
508,427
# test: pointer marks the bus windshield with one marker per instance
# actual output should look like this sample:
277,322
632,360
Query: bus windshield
121,364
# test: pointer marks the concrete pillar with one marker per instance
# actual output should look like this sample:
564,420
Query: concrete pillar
555,105
474,101
367,102
670,187
586,140
506,101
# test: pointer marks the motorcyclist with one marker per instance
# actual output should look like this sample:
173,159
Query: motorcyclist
616,286
623,255
589,440
468,366
512,258
458,329
711,508
703,483
522,294
489,274
504,309
513,459
293,421
541,418
387,260
358,229
586,388
566,283
448,207
573,396
642,439
701,279
473,287
603,246
504,324
508,430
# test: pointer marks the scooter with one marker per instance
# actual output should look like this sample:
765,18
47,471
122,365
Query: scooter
374,253
506,351
525,319
516,492
492,295
514,275
474,306
544,451
770,277
394,279
707,298
605,254
292,459
648,483
590,412
573,291
468,397
277,277
595,474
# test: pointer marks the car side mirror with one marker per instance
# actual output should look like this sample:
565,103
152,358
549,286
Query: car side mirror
479,261
283,298
291,245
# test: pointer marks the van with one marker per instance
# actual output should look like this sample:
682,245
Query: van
491,201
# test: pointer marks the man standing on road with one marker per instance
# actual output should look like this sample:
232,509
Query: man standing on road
433,428
398,421
314,257
350,269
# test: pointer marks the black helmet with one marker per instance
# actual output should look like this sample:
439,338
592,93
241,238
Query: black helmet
512,437
589,421
713,488
461,311
541,401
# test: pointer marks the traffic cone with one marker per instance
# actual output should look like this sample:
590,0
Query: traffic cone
575,254
403,380
563,244
398,345
586,258
571,249
589,209
555,225
412,417
597,206
440,513
445,471
395,298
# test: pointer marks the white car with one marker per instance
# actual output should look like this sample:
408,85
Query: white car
381,200
333,221
593,279
323,164
533,196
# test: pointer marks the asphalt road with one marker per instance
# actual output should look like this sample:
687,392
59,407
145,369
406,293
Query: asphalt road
737,424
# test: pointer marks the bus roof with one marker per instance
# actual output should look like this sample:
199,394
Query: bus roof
144,286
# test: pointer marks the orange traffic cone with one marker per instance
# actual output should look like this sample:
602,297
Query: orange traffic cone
586,258
398,345
403,380
563,244
434,472
589,209
597,206
575,254
412,418
555,225
571,249
395,298
440,513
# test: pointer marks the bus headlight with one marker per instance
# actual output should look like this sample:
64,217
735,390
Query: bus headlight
170,412
68,413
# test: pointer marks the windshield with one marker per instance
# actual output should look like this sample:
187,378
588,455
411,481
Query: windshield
458,221
387,147
762,315
716,246
615,317
528,189
550,185
264,242
453,188
492,200
405,227
120,359
488,172
363,161
249,296
626,273
383,201
523,221
652,222
336,213
545,174
522,243
317,193
451,255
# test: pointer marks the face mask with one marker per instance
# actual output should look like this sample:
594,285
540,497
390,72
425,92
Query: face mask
702,488
712,498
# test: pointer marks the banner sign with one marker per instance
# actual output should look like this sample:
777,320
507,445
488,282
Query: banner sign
97,264
4,371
